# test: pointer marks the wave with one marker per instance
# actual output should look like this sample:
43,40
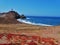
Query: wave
28,22
27,18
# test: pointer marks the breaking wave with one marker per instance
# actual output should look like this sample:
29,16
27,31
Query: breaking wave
28,22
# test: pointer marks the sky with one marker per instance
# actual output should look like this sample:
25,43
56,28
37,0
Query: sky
32,7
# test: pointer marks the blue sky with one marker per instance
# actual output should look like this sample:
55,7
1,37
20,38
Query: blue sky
32,7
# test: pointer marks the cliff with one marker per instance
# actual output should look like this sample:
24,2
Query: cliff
10,17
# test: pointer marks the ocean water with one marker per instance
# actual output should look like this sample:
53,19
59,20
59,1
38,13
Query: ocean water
41,20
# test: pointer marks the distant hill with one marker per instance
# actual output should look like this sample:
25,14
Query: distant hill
10,17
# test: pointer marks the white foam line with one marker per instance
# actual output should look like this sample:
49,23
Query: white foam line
28,22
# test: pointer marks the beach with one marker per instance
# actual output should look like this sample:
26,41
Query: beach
31,30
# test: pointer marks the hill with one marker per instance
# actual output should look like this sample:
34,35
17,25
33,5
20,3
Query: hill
10,17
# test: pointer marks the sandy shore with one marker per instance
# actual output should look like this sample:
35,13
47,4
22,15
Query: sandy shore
53,31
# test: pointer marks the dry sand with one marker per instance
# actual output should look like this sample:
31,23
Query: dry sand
53,31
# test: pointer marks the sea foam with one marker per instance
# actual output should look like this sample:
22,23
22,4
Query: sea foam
28,22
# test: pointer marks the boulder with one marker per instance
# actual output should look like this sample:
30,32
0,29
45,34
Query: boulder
22,16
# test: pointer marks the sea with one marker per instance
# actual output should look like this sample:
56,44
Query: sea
41,20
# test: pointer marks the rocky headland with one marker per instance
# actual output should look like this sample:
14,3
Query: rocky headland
10,17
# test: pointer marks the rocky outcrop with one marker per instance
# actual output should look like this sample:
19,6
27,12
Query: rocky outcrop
10,17
22,16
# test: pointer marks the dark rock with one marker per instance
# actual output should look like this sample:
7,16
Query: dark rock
22,16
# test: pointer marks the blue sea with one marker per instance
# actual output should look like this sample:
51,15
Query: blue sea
41,20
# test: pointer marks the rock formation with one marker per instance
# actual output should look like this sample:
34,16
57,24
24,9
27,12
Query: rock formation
10,17
22,16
